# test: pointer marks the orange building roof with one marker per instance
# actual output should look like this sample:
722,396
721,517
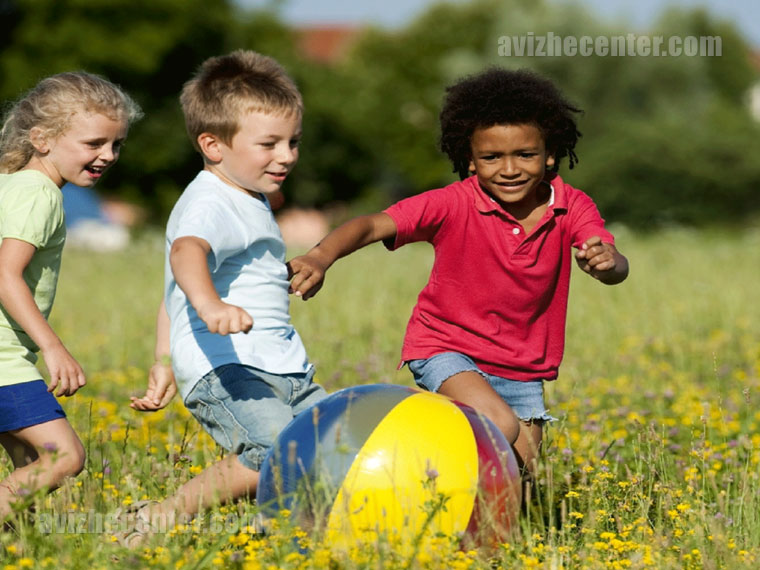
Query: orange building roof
326,44
754,58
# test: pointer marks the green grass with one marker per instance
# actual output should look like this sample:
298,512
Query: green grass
653,463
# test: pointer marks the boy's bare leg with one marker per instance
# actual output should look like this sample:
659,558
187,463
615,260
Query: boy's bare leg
528,443
472,389
43,455
219,483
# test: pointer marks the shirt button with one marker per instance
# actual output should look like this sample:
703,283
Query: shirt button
516,231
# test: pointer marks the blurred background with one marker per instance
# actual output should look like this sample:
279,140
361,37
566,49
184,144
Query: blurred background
666,140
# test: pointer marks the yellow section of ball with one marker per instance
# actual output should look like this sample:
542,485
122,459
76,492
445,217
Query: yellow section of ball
417,474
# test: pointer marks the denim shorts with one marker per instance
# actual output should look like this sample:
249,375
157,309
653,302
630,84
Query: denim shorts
27,404
244,409
525,398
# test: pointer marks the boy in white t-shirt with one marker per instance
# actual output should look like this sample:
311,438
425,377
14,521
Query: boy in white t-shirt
239,363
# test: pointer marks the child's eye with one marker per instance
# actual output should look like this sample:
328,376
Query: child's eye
268,145
294,143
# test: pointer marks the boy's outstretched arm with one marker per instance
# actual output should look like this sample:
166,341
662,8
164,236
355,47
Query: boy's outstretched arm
161,384
307,272
602,261
188,259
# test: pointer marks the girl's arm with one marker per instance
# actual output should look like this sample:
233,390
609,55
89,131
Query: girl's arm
307,272
18,301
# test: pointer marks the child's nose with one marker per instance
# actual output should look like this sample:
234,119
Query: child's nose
509,167
287,155
108,153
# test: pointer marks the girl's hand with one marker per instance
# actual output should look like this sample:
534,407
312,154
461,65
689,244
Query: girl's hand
65,372
161,389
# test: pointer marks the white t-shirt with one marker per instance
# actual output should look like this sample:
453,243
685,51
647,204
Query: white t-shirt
247,266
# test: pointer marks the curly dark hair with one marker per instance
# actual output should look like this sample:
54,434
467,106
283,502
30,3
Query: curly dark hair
505,97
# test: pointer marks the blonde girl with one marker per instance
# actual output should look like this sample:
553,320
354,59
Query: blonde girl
68,128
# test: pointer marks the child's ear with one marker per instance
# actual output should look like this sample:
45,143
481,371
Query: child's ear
471,167
39,140
549,160
210,146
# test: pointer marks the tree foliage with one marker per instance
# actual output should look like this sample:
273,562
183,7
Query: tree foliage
666,139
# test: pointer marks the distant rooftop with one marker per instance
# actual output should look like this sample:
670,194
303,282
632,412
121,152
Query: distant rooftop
326,43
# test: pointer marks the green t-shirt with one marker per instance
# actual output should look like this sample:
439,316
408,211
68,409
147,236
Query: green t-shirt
31,210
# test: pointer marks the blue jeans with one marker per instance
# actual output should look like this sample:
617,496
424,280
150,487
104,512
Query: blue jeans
525,398
244,409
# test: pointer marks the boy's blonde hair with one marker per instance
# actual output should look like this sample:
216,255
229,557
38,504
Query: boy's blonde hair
50,106
227,87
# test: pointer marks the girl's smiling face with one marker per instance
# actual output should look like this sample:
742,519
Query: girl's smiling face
510,162
85,150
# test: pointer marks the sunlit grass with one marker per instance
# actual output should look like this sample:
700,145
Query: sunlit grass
654,462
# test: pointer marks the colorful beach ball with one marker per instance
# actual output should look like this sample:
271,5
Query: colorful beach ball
393,462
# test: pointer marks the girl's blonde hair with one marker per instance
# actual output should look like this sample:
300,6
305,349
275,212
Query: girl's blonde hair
50,106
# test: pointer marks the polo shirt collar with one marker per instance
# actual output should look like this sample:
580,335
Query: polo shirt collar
485,204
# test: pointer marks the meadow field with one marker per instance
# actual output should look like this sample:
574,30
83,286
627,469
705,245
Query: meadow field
654,462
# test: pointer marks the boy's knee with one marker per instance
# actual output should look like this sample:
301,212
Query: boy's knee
510,427
507,422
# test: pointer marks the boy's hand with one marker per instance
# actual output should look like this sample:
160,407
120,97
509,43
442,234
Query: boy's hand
65,372
307,275
189,264
223,318
161,389
602,261
307,272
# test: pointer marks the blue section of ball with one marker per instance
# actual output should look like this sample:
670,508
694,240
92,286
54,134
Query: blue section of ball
304,469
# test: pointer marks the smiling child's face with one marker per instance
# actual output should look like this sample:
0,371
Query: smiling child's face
89,146
510,162
261,154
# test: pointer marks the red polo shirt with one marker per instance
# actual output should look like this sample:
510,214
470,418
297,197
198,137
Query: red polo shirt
495,294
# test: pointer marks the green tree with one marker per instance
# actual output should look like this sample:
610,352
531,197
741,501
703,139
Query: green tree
151,47
666,139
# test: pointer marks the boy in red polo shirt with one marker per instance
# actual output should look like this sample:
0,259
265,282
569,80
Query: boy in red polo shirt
489,327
